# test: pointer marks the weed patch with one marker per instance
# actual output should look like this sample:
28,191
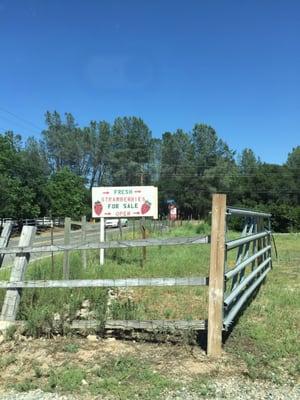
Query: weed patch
266,336
65,379
127,378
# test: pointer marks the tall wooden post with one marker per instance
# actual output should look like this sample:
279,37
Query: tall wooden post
13,296
52,254
67,239
144,236
102,239
83,240
216,276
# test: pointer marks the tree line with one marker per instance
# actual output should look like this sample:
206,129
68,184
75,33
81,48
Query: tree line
53,176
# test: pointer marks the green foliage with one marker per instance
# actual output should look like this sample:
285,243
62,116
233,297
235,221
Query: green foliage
124,311
204,229
39,320
202,385
25,386
67,194
6,361
65,379
10,332
54,176
130,152
49,311
266,337
127,377
71,348
19,199
66,144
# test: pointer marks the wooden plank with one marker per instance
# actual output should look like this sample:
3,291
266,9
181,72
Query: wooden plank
4,238
216,276
83,239
126,282
117,244
67,237
12,296
150,326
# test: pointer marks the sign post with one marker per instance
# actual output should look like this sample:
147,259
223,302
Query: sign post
172,211
102,239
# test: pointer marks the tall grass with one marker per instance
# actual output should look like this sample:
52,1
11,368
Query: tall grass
267,336
50,310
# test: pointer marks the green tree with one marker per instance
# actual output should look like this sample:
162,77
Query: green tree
35,173
176,171
99,150
131,152
17,200
67,194
66,144
10,146
214,167
293,170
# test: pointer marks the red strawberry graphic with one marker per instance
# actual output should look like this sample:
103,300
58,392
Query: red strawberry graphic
98,207
145,207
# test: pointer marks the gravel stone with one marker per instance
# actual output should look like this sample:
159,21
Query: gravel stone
36,395
238,389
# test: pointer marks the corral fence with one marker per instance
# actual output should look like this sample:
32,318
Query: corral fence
40,223
232,280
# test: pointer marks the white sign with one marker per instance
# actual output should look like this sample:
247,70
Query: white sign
173,211
124,201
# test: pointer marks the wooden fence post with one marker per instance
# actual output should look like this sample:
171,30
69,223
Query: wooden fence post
83,240
12,296
216,276
67,239
4,238
52,242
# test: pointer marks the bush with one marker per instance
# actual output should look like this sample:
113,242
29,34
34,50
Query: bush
203,228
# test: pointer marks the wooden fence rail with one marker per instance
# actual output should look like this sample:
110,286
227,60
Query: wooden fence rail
151,325
117,244
127,282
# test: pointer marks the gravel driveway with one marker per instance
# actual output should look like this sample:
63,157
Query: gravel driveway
230,388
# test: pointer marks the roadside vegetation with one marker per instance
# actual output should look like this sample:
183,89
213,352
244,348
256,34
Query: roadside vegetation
48,310
262,347
267,335
54,176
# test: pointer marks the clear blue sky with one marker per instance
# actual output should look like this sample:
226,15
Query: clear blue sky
232,64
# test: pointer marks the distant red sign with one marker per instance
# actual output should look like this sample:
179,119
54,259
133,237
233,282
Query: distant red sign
172,212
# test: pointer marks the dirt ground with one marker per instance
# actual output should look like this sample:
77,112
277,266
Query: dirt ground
152,371
179,360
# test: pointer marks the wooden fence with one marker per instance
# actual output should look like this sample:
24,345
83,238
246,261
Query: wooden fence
225,299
